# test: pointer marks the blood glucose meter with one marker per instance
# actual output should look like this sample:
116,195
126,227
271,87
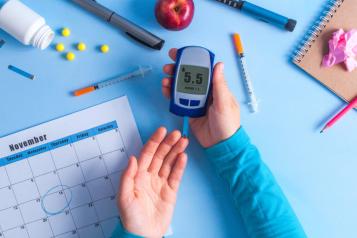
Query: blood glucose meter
192,81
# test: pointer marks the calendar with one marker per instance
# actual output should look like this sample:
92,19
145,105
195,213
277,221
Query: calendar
60,179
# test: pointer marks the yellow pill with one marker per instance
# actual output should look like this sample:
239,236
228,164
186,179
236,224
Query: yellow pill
104,48
66,32
81,46
60,47
70,56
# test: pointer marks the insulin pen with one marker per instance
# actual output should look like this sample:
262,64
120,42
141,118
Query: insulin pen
134,31
262,14
141,72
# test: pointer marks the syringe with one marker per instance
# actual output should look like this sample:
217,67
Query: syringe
140,72
253,102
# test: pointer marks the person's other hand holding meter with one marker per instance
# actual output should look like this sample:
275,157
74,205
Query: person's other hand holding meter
222,119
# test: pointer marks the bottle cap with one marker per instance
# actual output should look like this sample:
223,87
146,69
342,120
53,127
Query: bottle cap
43,37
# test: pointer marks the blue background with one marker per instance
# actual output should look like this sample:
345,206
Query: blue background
317,172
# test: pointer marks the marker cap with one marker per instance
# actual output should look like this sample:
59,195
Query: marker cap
290,25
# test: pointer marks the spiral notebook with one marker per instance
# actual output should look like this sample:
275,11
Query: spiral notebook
308,56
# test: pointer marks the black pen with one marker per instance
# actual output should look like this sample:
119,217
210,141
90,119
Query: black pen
136,32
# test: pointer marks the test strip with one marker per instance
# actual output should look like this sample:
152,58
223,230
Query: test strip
2,42
185,127
21,72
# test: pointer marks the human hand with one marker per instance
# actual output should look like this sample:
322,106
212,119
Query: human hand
149,185
223,117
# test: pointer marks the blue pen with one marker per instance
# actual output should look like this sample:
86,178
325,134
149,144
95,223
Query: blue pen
262,14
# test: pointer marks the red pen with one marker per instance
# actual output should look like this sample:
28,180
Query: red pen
350,106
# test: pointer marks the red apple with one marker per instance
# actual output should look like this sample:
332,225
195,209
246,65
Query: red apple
174,14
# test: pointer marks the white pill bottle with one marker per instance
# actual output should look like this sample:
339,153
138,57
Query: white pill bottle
24,24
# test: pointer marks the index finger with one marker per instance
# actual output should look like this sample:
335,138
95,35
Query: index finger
150,148
173,53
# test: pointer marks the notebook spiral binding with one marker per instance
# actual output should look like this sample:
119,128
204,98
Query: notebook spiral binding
316,30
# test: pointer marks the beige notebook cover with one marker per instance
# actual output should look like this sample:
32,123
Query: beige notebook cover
340,14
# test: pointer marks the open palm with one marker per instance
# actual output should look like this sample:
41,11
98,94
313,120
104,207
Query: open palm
147,194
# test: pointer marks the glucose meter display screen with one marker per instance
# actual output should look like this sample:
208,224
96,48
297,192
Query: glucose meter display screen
192,79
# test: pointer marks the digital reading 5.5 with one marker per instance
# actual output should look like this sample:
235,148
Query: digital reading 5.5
193,79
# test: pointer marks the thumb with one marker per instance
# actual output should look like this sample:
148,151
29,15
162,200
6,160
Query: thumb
127,180
220,91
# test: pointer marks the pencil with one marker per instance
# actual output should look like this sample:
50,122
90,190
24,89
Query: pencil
339,115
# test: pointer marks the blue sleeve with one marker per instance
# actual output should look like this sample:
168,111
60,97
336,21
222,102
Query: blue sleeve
265,211
120,232
2,2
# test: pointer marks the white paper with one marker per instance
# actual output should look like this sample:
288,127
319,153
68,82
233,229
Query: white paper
58,182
